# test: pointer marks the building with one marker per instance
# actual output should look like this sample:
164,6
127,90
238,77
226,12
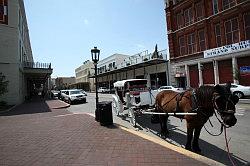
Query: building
65,82
209,41
53,83
106,65
25,76
83,81
151,66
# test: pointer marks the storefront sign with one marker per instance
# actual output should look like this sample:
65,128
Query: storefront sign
236,47
245,70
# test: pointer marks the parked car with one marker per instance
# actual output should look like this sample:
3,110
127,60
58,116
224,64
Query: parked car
55,93
103,90
74,95
170,88
240,90
61,94
85,93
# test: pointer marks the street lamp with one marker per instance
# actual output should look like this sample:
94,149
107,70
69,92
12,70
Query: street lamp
95,58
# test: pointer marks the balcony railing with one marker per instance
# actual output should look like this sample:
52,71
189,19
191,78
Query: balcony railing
138,58
38,65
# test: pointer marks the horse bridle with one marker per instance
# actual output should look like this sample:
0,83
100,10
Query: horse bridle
219,111
228,100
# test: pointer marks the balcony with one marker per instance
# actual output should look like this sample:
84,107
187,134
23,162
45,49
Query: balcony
37,65
36,71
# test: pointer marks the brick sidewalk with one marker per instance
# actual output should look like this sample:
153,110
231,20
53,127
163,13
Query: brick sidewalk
34,134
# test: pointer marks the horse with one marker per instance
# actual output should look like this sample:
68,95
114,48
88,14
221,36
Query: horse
203,101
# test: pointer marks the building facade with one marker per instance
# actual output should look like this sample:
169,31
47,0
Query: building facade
64,82
151,66
16,58
209,41
83,81
107,65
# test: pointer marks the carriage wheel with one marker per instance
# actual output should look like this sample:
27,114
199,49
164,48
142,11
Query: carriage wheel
132,117
115,108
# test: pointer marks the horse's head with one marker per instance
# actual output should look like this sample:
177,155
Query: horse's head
224,102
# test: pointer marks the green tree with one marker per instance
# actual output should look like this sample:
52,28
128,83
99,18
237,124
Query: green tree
3,84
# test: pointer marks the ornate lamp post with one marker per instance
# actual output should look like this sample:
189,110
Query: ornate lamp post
95,58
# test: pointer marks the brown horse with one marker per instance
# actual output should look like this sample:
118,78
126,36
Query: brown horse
204,101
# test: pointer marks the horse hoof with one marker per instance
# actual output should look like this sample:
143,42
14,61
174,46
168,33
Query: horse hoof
196,150
164,135
188,148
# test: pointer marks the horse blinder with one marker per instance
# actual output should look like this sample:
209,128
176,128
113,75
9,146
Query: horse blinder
225,105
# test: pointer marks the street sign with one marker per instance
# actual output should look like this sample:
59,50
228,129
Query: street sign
245,70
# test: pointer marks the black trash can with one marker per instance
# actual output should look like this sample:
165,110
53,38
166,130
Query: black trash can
105,113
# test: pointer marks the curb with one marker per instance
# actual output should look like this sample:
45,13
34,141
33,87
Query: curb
170,146
165,144
66,105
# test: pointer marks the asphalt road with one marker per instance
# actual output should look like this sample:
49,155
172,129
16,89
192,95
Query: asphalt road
213,147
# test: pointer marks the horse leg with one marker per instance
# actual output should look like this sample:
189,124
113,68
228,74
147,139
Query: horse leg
190,131
163,122
195,144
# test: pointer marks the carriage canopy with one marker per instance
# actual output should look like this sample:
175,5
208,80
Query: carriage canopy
130,82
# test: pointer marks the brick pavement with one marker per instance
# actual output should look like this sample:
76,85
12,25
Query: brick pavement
35,134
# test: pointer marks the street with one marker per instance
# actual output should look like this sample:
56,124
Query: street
213,147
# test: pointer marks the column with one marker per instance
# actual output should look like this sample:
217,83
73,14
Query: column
168,73
187,76
200,67
216,72
235,70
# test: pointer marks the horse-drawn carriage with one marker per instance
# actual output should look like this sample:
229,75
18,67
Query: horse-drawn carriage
133,96
194,105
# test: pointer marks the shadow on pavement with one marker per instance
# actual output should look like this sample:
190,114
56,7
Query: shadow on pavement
28,107
177,136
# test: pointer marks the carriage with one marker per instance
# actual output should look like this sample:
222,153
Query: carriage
133,97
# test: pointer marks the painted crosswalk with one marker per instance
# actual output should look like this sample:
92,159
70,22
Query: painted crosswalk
240,111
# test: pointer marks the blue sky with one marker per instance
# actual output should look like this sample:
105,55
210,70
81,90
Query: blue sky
63,32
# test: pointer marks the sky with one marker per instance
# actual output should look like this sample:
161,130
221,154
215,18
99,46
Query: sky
63,32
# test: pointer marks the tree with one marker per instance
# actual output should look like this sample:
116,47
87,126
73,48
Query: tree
3,84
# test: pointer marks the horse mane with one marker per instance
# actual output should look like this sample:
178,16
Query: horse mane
204,95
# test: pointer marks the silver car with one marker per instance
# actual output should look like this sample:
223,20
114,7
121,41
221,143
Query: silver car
74,96
240,90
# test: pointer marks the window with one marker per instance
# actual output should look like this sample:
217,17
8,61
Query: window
191,43
215,6
247,25
201,38
188,16
3,11
227,4
217,35
179,20
182,45
199,11
232,31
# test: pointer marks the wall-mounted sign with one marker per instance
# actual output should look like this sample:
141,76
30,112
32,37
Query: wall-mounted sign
236,47
245,70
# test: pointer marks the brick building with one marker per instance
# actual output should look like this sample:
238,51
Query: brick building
209,41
